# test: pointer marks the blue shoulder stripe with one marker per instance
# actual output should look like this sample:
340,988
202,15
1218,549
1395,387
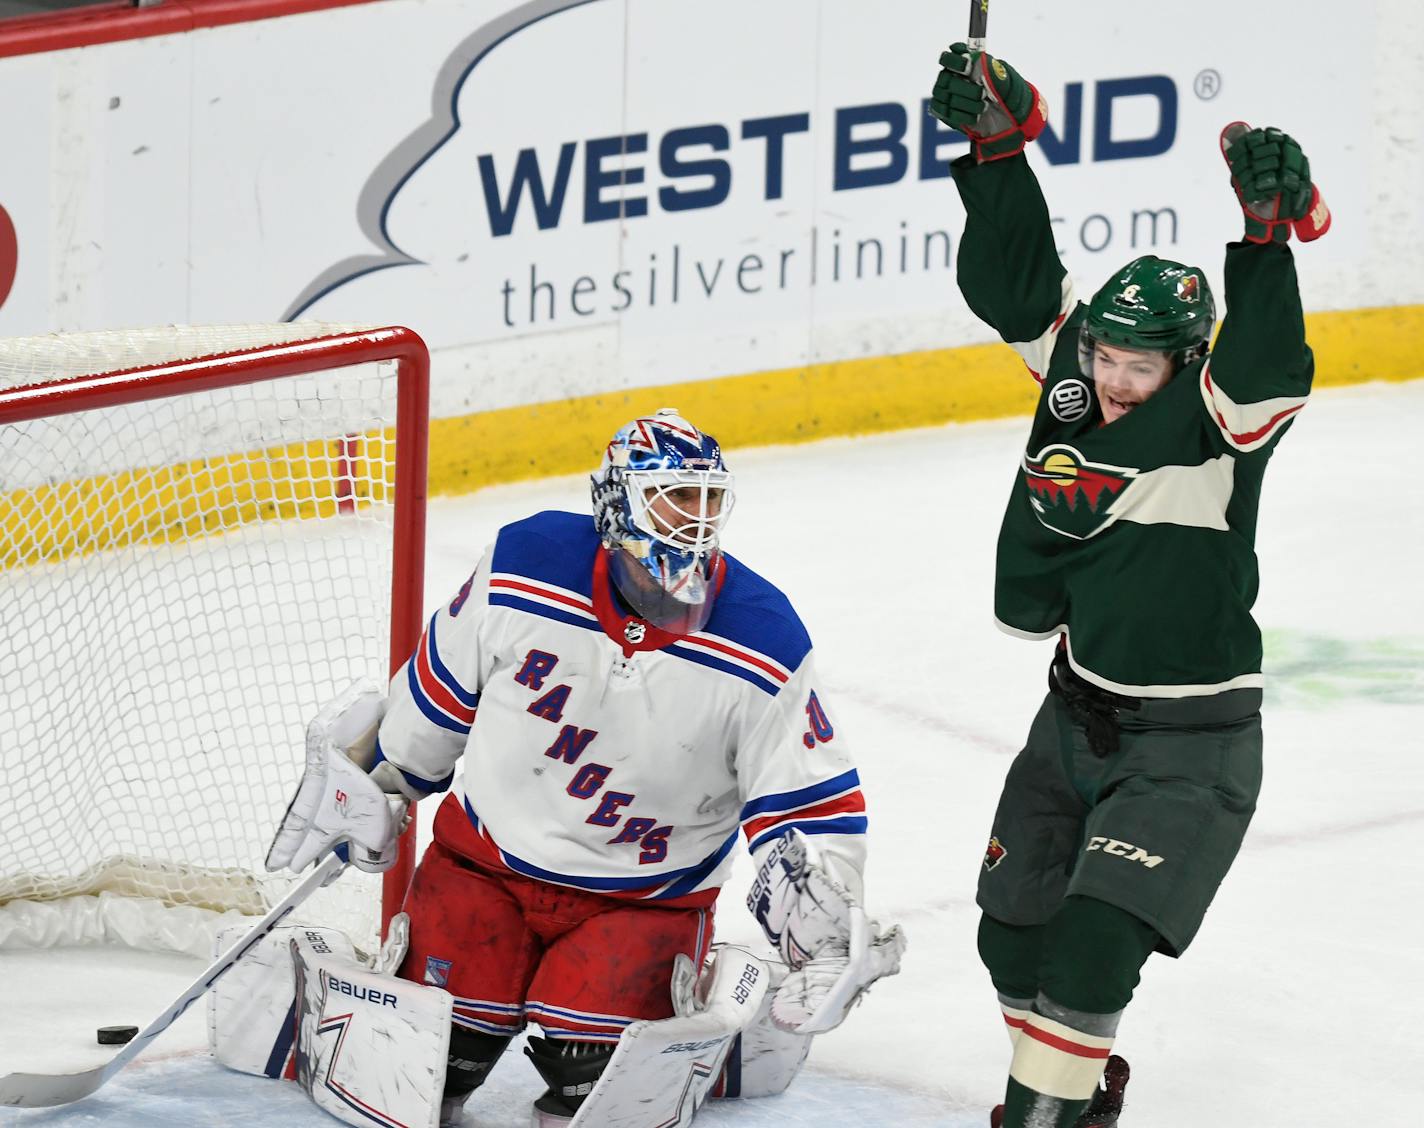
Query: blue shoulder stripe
499,599
752,612
713,662
790,800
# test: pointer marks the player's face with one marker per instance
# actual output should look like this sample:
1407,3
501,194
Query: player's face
679,512
1125,378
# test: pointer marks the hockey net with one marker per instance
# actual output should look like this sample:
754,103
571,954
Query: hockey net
205,535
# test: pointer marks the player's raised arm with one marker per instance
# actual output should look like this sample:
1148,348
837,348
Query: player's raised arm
1009,270
1260,370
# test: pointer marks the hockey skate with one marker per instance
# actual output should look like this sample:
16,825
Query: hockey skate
452,1110
1107,1101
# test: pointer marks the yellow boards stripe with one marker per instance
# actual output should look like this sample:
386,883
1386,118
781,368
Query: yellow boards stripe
787,406
851,397
791,405
1355,346
153,505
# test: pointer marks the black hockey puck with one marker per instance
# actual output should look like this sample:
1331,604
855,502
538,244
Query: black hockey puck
115,1035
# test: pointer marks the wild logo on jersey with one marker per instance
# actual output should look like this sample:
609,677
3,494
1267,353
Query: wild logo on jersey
1071,495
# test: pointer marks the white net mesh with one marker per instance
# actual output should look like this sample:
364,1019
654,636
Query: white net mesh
184,582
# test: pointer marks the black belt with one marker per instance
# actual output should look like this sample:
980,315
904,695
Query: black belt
1093,708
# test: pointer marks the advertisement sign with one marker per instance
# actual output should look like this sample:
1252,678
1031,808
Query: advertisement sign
571,196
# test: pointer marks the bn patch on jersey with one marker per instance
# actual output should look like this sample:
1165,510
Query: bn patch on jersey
1069,400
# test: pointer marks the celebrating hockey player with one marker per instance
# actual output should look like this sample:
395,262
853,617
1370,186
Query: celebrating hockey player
626,699
1129,536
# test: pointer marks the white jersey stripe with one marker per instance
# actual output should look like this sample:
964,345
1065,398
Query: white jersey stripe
482,1027
1241,681
486,1005
1247,426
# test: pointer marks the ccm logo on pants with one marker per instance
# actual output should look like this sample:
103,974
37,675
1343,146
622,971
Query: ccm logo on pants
1124,850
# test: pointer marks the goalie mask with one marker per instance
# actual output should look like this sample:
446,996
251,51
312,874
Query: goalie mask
660,499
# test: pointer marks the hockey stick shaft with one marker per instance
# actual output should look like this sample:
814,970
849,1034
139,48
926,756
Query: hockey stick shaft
978,24
42,1090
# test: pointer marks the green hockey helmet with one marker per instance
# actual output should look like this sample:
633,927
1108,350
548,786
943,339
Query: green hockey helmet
1153,305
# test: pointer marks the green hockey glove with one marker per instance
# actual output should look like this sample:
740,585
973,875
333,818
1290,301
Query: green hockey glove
1272,180
988,101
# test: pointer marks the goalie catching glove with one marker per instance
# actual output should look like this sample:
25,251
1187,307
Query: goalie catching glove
988,101
338,805
833,950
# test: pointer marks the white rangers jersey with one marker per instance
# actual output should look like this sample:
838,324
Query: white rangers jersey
603,754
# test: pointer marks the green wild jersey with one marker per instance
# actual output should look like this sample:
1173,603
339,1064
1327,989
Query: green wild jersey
1137,539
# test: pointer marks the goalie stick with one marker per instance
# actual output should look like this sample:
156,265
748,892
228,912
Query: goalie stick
42,1090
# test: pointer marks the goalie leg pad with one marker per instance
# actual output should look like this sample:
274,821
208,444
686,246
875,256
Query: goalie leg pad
252,1022
764,1059
369,1047
662,1071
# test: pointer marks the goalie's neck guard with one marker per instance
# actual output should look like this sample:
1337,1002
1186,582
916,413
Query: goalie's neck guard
628,630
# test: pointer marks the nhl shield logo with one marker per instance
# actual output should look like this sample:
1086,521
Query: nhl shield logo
635,631
994,854
1071,495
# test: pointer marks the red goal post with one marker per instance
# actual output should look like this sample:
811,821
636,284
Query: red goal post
196,525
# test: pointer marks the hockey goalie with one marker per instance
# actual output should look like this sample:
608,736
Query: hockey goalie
623,699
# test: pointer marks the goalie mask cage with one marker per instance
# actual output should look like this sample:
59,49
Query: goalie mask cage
205,535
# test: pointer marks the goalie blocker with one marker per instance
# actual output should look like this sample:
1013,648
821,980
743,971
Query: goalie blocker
366,1046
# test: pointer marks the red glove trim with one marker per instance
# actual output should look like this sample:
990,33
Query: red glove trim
1316,221
1033,125
1026,130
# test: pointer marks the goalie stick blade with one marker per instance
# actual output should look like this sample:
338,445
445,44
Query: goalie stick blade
45,1090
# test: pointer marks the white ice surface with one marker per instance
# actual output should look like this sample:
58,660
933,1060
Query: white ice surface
1295,1004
